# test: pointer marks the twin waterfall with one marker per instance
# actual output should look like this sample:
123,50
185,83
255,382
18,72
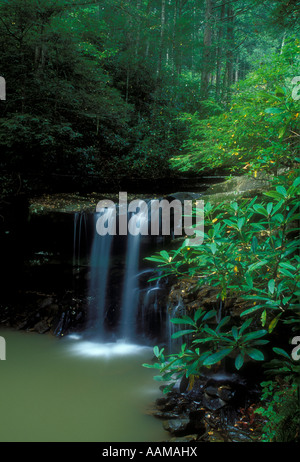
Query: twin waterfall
122,304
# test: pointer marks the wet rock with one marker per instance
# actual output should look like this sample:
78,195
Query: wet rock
176,426
226,392
215,437
161,401
211,391
183,439
237,187
163,414
164,404
21,325
235,435
53,308
46,302
185,195
41,327
213,404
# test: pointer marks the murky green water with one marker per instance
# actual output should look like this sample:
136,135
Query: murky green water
69,390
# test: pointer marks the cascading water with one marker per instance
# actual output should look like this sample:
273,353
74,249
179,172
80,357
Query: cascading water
152,311
99,265
130,288
123,305
174,311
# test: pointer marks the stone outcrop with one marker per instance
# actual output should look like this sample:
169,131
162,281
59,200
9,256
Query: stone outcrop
237,187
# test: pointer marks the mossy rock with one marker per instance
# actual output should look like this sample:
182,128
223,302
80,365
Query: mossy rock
237,188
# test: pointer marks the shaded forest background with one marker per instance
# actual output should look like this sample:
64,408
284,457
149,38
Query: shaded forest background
108,87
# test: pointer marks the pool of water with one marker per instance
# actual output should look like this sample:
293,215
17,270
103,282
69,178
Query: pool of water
66,390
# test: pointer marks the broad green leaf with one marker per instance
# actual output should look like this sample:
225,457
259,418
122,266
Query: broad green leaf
256,354
285,300
216,357
156,259
198,314
296,182
263,318
150,366
194,367
282,132
257,265
281,190
230,223
210,331
260,342
182,321
254,335
182,332
165,255
245,325
249,280
281,352
239,361
271,286
260,209
273,194
222,323
213,248
286,273
273,323
269,207
287,265
240,223
235,333
210,314
204,340
156,351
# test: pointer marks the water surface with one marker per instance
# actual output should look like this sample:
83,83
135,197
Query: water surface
73,390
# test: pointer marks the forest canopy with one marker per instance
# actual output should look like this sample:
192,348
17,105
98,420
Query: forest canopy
108,87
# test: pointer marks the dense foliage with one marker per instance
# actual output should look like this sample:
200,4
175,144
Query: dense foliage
101,87
258,131
250,250
157,88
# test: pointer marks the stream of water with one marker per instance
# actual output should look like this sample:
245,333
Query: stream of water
90,387
74,390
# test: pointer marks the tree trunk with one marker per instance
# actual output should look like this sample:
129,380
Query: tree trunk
229,54
138,33
206,62
162,34
220,50
174,38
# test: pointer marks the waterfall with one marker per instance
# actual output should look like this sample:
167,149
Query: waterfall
99,265
130,295
173,311
130,290
151,315
122,304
